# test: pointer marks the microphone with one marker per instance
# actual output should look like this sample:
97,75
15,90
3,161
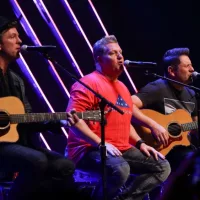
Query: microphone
139,64
41,49
195,75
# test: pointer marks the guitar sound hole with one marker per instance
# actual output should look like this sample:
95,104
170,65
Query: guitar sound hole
4,119
174,129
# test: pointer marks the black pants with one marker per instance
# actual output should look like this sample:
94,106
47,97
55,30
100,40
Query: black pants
177,155
37,168
184,181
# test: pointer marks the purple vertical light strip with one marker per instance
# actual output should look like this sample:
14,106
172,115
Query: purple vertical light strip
47,17
106,33
45,142
98,18
30,32
75,21
24,67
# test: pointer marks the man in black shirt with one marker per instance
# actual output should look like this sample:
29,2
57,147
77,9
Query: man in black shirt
35,166
166,97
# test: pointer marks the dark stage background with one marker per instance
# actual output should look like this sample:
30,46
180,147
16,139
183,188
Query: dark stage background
145,29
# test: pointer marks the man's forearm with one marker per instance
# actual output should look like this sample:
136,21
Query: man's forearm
84,132
141,119
134,137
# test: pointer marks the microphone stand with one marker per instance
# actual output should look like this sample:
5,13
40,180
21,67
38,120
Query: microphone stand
102,106
197,94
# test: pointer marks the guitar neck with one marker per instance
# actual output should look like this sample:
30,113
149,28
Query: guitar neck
40,117
189,126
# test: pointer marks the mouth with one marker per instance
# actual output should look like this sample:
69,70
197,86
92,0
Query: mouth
120,64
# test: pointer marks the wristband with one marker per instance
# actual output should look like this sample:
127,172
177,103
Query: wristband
99,145
138,143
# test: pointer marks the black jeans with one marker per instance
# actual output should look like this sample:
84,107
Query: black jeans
184,180
35,167
177,155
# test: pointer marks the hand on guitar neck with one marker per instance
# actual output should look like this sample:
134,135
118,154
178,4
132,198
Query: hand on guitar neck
72,119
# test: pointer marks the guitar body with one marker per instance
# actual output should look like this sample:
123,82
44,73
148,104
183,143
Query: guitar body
171,123
10,105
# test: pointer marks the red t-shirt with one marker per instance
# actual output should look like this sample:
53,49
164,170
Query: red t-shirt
117,129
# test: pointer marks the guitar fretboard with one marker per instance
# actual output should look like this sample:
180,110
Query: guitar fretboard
189,126
40,117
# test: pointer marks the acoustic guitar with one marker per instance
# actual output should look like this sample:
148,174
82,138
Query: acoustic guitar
178,124
12,112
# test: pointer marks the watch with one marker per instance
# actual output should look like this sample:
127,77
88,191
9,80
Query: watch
138,143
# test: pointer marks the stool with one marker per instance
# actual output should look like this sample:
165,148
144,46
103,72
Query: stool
6,181
86,182
4,189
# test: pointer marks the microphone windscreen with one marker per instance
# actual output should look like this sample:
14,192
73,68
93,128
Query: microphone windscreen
23,47
195,74
126,62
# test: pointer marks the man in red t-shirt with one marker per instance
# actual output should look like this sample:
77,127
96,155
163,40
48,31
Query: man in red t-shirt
85,137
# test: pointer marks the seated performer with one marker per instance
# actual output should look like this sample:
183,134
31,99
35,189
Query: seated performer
122,158
35,166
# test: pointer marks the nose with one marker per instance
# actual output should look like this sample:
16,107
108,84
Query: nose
119,56
19,41
191,68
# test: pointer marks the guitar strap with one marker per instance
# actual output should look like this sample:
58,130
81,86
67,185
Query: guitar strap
4,86
11,84
7,87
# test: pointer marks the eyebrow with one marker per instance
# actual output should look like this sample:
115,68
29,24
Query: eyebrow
14,34
115,50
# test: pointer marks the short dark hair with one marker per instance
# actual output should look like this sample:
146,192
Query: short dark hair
6,24
172,57
99,46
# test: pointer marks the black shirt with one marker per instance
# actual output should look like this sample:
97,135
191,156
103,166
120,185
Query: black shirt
162,97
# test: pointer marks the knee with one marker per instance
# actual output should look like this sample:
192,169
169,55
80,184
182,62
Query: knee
165,170
63,167
40,164
69,167
121,173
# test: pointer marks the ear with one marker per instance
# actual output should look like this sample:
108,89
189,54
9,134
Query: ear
171,71
99,59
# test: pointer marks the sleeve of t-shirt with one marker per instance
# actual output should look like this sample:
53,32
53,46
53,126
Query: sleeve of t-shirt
148,94
81,98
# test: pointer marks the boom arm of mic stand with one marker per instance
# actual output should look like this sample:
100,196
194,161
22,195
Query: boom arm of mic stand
197,94
102,105
171,80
